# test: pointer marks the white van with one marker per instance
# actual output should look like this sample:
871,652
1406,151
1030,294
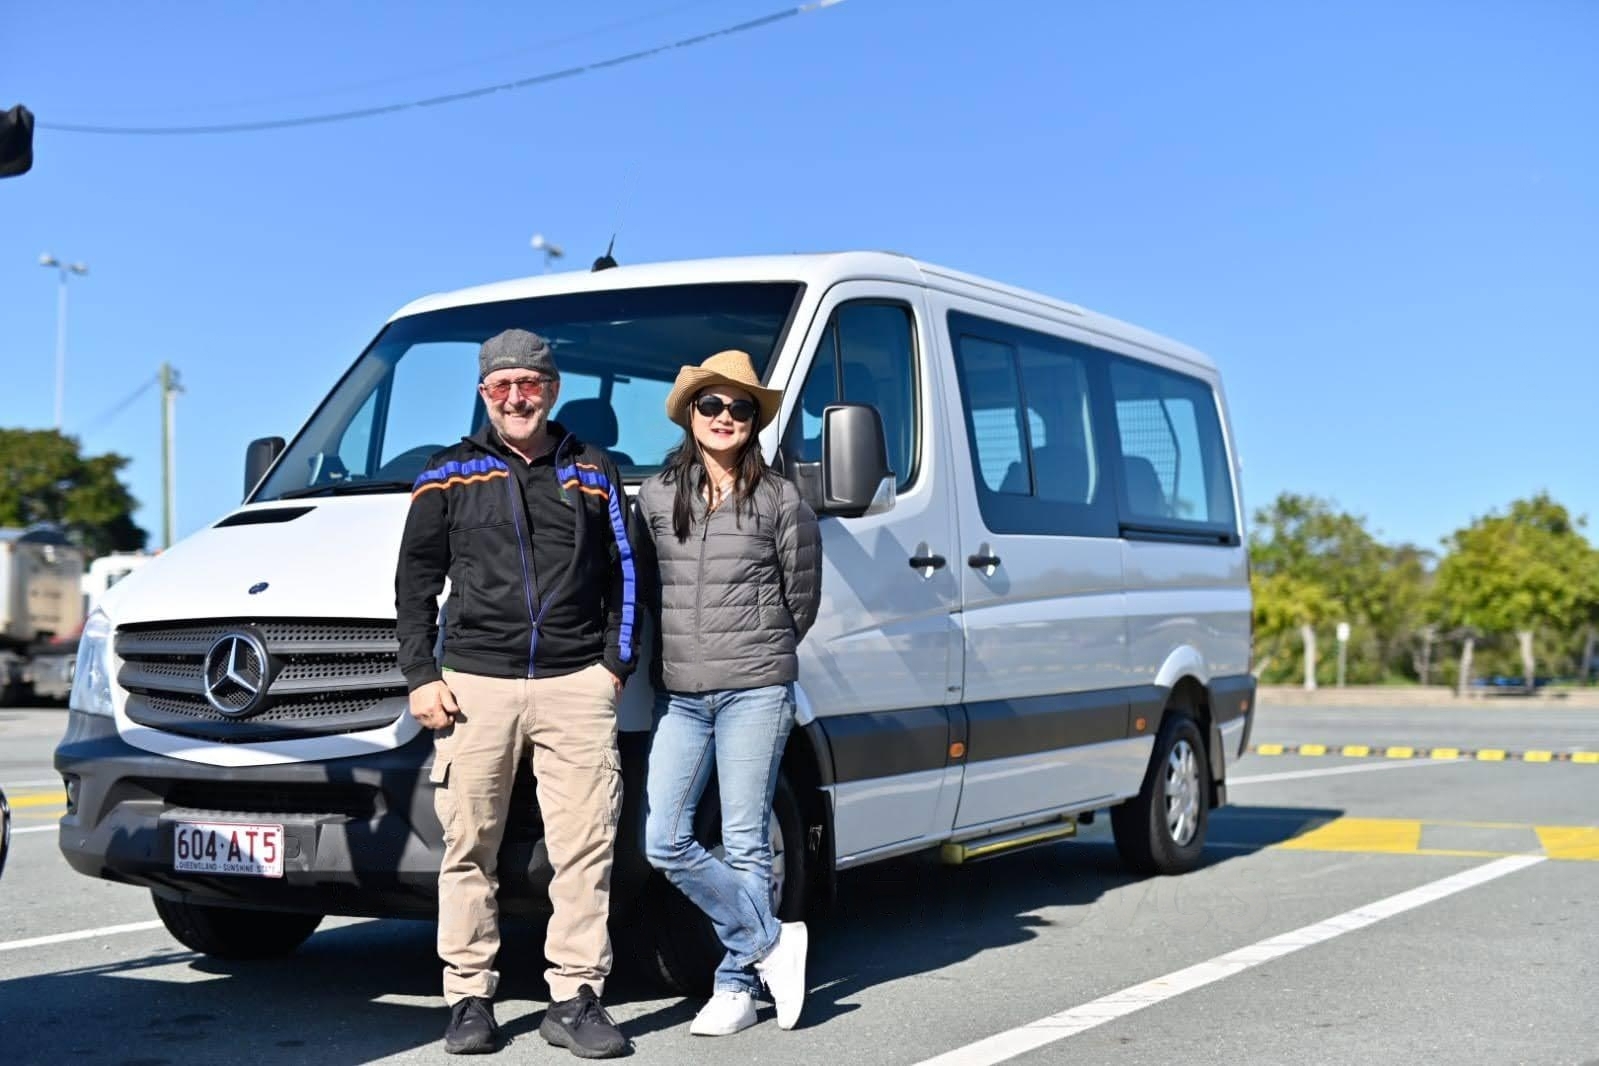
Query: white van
1036,601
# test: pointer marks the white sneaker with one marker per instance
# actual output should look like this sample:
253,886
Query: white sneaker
725,1014
783,970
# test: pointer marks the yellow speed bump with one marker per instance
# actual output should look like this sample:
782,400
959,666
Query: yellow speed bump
1537,756
1490,755
1268,749
1446,753
1356,751
1591,758
1313,749
1400,753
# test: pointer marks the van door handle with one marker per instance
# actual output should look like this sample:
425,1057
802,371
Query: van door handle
984,561
928,562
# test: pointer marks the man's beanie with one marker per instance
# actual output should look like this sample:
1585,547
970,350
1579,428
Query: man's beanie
516,349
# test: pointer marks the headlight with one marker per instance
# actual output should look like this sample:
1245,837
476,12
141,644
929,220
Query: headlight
91,678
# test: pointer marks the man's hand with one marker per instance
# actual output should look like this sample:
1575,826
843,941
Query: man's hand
434,705
616,681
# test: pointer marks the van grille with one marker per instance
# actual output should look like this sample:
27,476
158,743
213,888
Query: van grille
326,678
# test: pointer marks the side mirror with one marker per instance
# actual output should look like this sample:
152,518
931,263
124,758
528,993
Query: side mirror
853,477
258,459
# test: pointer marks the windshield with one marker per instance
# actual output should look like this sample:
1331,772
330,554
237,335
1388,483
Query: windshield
414,390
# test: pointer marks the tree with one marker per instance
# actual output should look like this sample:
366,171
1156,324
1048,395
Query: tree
1315,565
1530,571
45,478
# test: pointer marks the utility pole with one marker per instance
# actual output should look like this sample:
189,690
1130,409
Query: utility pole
169,390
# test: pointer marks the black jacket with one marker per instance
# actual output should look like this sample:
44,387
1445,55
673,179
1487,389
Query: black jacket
506,616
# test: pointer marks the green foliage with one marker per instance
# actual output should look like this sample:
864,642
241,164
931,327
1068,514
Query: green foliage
45,478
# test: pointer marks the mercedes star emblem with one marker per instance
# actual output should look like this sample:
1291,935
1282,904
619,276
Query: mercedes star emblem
236,674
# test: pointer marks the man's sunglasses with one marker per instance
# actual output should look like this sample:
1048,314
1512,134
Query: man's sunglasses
711,406
533,386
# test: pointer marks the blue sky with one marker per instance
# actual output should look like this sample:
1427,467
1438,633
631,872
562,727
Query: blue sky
1382,220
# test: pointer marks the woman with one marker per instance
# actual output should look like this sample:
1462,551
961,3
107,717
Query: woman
740,570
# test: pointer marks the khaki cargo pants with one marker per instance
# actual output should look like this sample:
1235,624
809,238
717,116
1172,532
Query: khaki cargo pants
568,724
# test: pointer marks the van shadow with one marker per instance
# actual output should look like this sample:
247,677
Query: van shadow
362,991
915,916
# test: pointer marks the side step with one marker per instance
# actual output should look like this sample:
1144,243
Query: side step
1003,843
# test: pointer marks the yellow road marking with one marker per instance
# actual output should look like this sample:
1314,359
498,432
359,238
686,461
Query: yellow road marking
1490,755
1389,835
1446,753
1313,749
1402,836
1569,842
44,799
1589,757
1356,751
1269,749
1537,756
1401,753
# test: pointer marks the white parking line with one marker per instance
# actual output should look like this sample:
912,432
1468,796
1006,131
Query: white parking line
48,782
1030,1037
1333,771
34,829
81,934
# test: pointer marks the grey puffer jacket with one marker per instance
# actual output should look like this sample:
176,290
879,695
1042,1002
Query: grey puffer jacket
735,599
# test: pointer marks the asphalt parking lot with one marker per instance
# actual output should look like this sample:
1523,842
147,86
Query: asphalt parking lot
1377,891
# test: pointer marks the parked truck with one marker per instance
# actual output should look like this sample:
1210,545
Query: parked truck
41,607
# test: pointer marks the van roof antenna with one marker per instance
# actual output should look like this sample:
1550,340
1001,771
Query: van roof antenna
606,262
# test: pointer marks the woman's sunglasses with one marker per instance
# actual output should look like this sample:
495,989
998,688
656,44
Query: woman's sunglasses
711,406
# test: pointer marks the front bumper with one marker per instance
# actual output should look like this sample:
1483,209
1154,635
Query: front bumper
360,834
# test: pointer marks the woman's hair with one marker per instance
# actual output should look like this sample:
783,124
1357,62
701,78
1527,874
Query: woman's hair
685,470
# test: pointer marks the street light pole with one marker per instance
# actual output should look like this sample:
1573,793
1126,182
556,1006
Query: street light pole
63,270
551,252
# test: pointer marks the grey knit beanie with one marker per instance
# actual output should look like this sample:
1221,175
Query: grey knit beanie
516,349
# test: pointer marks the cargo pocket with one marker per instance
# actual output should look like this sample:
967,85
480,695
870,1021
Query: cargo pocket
611,782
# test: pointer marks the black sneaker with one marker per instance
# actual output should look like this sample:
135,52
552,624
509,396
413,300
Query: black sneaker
472,1030
581,1026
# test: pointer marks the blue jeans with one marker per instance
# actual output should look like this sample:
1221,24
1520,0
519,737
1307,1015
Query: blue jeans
739,733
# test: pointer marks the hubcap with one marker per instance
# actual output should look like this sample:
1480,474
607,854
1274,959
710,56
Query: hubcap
1182,793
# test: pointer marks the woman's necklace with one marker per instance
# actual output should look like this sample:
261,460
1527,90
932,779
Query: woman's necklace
719,490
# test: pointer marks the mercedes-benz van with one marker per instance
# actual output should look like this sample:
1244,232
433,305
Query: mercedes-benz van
1036,601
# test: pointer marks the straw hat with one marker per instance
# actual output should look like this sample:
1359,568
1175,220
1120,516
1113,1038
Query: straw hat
724,368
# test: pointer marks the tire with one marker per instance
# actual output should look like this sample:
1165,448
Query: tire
1162,829
687,950
234,933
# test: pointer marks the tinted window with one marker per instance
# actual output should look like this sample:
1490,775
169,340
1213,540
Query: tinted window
1174,462
867,355
1030,423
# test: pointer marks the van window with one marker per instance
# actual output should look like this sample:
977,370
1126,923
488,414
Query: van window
414,390
867,354
1175,473
1032,429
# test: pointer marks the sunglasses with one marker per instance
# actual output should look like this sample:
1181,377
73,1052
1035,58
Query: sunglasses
533,386
711,406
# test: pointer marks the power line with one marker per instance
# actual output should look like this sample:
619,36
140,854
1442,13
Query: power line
447,98
476,63
100,422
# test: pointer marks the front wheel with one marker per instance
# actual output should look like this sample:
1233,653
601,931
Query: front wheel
233,933
1162,829
687,950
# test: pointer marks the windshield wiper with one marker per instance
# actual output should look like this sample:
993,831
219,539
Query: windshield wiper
346,488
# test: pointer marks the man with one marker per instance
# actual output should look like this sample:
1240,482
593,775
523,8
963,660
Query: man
541,631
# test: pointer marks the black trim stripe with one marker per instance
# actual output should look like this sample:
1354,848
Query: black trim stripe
880,744
1002,729
887,743
1231,697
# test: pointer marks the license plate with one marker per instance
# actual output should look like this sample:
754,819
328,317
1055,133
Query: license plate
228,848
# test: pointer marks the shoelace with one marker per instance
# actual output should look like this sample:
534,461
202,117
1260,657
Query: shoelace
588,1007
